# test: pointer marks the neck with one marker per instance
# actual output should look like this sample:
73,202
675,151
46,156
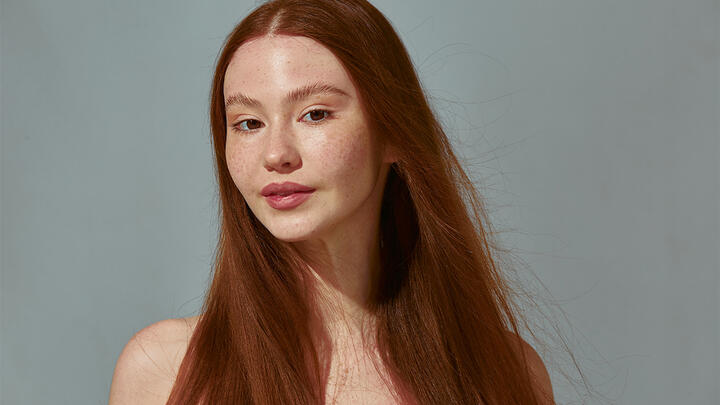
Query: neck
342,274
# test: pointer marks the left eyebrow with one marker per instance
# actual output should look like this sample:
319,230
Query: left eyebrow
297,95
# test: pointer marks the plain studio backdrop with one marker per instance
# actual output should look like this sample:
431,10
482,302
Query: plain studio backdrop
590,126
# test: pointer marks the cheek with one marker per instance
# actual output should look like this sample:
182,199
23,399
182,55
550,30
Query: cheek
349,161
238,166
345,157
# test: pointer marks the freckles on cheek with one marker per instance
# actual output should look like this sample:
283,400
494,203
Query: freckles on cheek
349,152
236,156
232,162
355,158
238,169
342,159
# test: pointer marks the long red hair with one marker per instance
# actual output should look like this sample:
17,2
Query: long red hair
441,304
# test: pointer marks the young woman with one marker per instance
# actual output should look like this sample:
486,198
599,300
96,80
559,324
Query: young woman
355,261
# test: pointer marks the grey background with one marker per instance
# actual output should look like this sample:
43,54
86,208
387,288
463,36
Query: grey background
592,125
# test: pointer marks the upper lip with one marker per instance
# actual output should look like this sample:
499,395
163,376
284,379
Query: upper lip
284,188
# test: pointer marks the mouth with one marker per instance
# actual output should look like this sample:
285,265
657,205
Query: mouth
284,189
286,201
287,193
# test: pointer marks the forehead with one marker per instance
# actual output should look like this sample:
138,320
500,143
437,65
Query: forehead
283,62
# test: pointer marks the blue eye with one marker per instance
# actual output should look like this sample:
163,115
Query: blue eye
314,115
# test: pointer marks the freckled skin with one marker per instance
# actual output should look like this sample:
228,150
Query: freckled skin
337,156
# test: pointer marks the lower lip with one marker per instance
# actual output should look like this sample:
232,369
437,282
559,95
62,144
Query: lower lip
287,202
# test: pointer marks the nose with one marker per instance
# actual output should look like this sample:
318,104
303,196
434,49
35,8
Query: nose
281,154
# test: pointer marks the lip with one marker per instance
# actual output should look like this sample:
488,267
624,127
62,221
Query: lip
289,201
284,188
295,194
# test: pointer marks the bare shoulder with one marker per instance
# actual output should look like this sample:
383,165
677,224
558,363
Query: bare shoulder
147,366
540,375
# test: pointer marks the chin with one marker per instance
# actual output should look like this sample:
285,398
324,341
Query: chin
290,237
290,231
291,226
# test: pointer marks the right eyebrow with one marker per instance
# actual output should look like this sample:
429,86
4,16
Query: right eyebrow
294,96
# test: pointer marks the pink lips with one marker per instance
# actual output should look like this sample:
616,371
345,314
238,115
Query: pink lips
286,195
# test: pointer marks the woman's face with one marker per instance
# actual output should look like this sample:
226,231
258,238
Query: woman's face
294,115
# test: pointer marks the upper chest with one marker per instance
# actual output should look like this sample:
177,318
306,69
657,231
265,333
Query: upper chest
354,379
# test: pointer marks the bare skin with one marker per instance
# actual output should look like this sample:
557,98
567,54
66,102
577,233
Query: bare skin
147,368
149,364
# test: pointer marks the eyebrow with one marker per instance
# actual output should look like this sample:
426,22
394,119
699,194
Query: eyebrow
294,96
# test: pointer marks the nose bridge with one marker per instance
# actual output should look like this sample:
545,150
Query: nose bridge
280,150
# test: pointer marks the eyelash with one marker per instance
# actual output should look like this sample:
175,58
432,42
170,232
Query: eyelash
328,114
